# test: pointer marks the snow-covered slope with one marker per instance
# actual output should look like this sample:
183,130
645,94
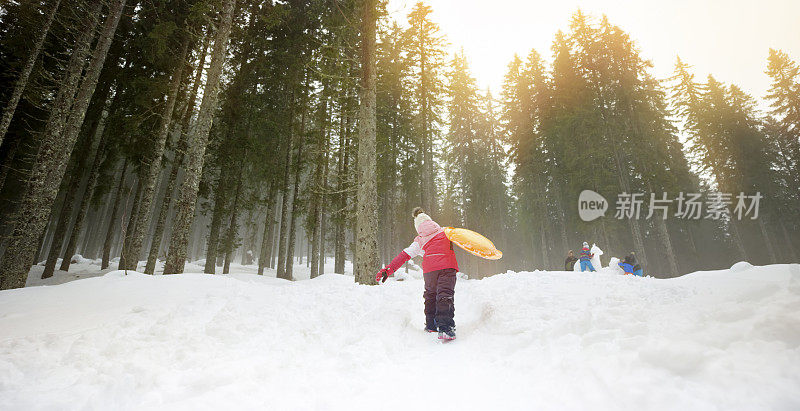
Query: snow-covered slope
86,268
726,339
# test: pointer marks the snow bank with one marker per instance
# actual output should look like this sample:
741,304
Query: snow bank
88,268
545,340
741,266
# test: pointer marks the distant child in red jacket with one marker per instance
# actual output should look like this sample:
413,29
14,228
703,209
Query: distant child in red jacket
586,258
439,267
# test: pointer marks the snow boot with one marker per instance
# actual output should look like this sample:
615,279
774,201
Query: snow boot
447,334
430,329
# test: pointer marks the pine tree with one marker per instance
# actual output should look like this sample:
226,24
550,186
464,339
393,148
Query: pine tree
475,160
366,252
426,59
152,163
298,165
179,152
728,141
112,220
30,62
784,95
318,188
49,169
196,146
784,128
393,128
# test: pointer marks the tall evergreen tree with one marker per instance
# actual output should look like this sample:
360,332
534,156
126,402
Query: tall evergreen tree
196,145
30,62
51,164
366,253
426,60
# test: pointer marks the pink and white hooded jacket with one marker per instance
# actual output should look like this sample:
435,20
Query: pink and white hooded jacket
431,243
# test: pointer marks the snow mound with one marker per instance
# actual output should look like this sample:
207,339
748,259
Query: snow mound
741,266
79,259
613,265
711,340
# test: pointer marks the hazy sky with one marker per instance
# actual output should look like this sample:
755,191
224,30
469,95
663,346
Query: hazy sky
727,38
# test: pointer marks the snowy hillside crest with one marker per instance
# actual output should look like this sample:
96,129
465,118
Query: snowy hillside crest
535,339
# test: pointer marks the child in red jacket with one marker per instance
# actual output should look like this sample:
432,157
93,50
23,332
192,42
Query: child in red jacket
439,267
586,258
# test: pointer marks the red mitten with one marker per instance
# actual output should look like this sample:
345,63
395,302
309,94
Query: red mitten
382,275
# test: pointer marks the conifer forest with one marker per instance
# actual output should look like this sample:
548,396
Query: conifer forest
151,134
399,205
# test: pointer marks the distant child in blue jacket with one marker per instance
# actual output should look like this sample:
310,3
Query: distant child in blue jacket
586,258
631,266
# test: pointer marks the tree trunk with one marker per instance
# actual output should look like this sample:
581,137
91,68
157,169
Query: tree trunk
273,248
55,125
308,251
541,206
52,160
273,235
341,213
69,185
543,238
319,193
233,228
22,80
692,247
180,150
39,248
791,253
92,244
423,150
158,234
249,240
113,218
283,233
366,252
130,227
666,242
87,196
767,242
557,193
298,168
269,221
72,181
737,240
633,224
197,142
314,248
212,244
323,199
5,168
152,164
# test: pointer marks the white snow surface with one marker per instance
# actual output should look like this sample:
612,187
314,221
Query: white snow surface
727,339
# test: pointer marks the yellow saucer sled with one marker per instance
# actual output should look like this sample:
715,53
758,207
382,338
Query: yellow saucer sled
473,243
